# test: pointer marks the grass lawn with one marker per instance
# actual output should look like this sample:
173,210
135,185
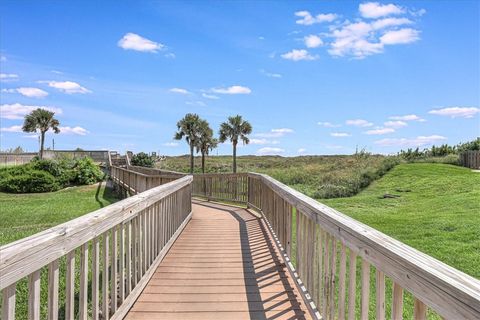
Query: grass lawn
438,211
26,214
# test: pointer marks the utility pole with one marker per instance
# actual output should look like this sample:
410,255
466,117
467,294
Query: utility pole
53,144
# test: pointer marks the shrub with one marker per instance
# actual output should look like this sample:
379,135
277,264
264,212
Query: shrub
28,181
49,166
143,160
87,172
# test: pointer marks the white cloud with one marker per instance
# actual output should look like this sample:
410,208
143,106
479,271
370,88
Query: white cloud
408,117
73,130
233,90
389,22
179,90
401,36
196,103
170,55
12,129
68,87
270,74
313,41
18,111
299,54
354,39
359,123
376,10
132,41
170,144
456,112
263,141
340,134
395,124
275,133
307,19
301,150
328,124
419,141
210,96
379,131
7,77
28,92
270,151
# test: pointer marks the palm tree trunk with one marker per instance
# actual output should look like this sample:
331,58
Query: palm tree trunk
234,157
191,158
203,162
42,142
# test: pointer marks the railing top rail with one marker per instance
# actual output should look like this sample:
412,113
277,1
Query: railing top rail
160,170
445,289
221,174
20,258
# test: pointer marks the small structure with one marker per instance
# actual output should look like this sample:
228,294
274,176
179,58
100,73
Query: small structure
470,159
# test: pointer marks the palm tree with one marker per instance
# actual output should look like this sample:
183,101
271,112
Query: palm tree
206,141
41,120
234,129
189,127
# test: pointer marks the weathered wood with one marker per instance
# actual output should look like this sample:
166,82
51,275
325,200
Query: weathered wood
380,295
70,286
95,278
113,270
53,290
365,295
105,276
342,282
397,302
34,296
83,301
8,302
419,310
352,284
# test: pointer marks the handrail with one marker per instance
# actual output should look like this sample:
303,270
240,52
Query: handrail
322,232
132,237
231,187
136,182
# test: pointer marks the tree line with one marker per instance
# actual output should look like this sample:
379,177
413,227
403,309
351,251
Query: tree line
199,136
439,151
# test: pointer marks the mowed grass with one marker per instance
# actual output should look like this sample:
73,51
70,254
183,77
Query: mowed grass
25,214
437,211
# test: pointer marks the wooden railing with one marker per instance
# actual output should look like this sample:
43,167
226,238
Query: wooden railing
327,246
135,182
116,250
231,187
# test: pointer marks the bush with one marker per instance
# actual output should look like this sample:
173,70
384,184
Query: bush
87,172
143,160
49,166
28,181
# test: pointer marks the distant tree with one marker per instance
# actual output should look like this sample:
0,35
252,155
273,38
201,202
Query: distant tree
143,160
235,129
188,128
41,120
206,142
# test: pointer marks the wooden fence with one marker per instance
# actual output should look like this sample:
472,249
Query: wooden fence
221,187
470,159
119,248
136,182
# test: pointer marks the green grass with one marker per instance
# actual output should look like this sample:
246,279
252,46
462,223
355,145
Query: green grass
437,211
27,214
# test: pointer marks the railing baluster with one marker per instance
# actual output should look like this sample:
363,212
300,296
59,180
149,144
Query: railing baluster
70,286
53,290
114,270
352,285
333,270
326,275
365,289
8,303
380,294
95,278
129,250
342,282
397,302
34,296
105,302
83,301
121,270
420,310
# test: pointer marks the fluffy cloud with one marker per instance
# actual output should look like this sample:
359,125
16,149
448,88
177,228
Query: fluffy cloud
301,150
233,90
395,124
12,129
379,131
68,87
327,124
270,151
28,92
456,112
73,130
7,77
275,133
408,117
419,141
270,74
401,36
179,90
132,41
389,22
262,141
376,10
354,39
359,123
170,144
18,111
313,41
210,96
299,54
340,134
307,19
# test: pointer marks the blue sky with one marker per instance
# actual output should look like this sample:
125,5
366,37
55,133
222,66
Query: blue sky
311,77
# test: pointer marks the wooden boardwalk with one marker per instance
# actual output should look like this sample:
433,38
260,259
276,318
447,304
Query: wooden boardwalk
224,265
